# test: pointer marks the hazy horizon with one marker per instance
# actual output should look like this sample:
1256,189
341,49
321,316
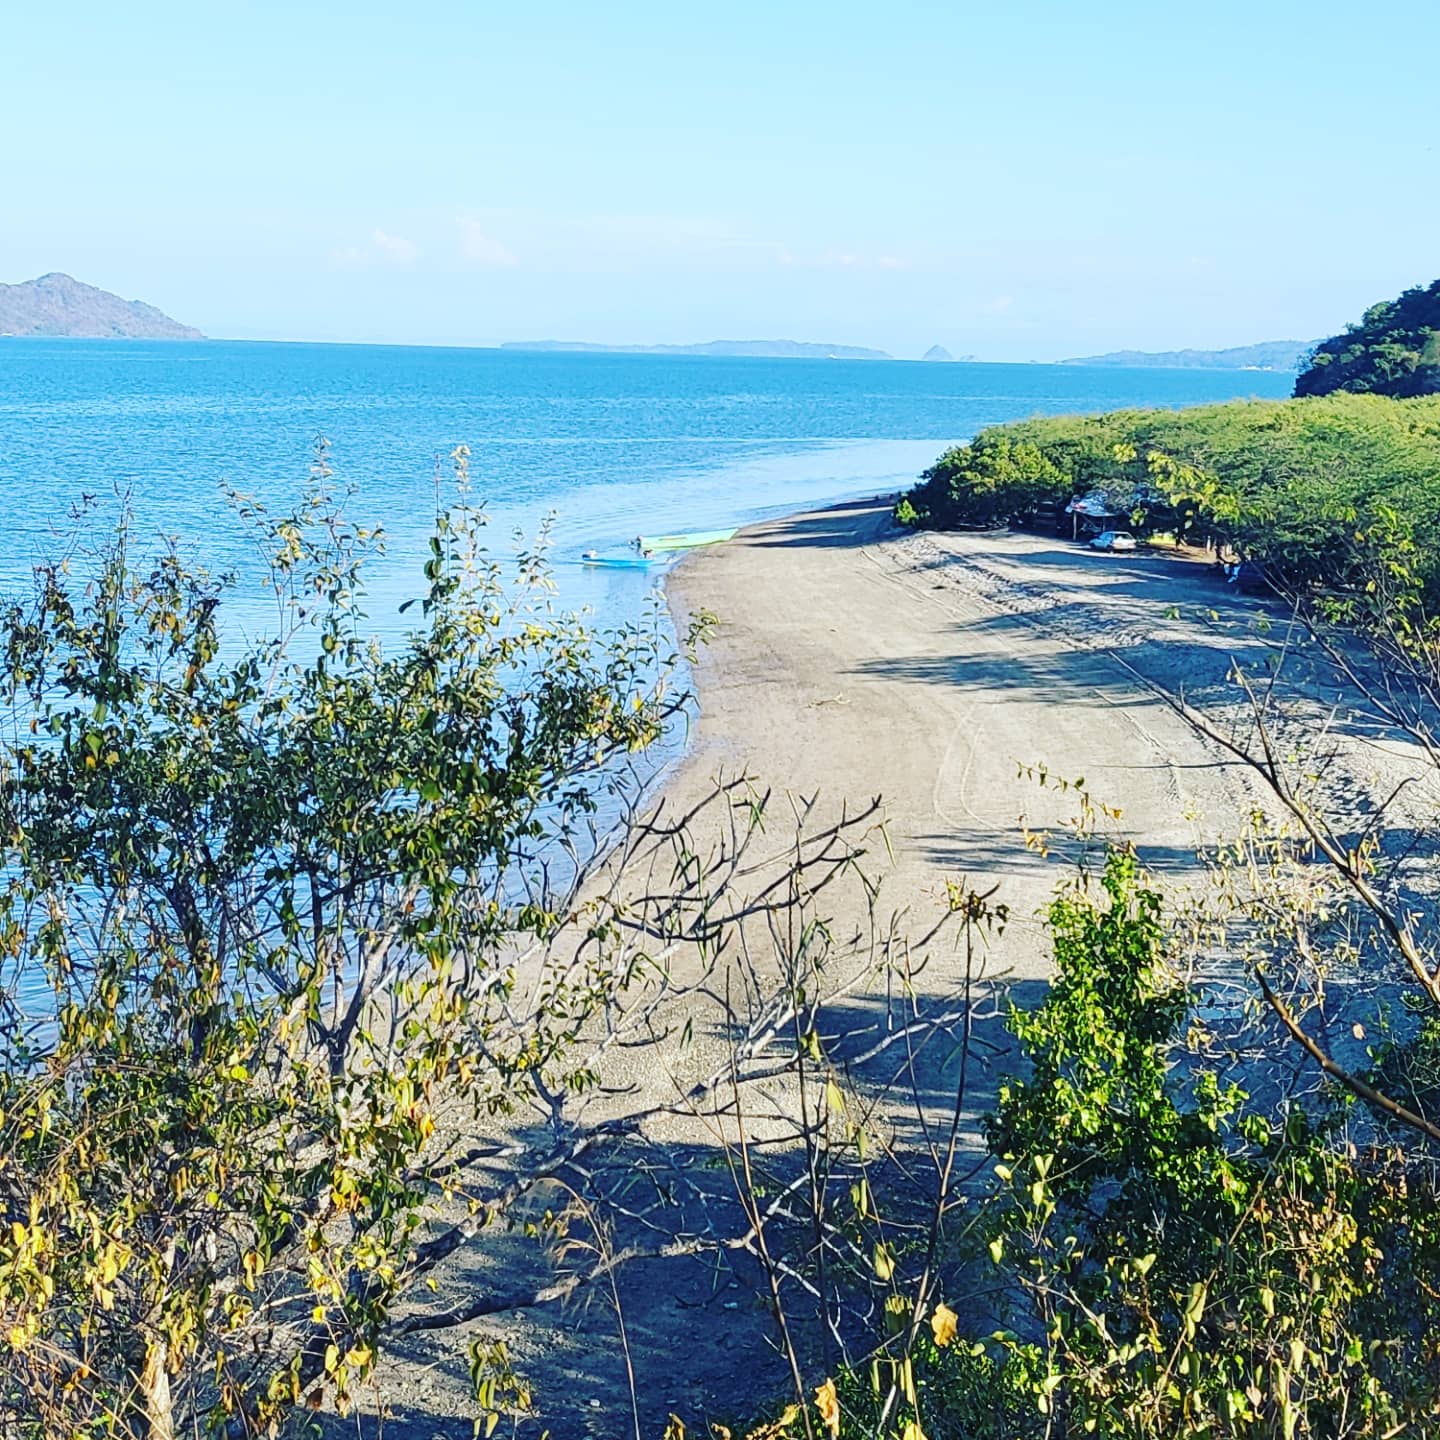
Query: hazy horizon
1031,185
521,345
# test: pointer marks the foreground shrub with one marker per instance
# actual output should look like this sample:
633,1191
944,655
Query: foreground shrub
1181,1260
1163,1256
270,895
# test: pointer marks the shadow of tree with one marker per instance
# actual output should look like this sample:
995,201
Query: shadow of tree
698,1331
846,526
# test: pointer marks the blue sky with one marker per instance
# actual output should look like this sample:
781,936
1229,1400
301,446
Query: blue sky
1018,181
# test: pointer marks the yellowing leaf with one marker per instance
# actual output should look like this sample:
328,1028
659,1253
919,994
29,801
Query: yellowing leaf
912,1431
943,1324
827,1402
884,1261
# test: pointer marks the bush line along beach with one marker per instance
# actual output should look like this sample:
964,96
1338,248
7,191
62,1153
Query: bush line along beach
1325,493
1016,1016
1320,491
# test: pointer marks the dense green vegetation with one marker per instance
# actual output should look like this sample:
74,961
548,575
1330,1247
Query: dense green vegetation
1319,489
1199,1263
1394,350
1172,1257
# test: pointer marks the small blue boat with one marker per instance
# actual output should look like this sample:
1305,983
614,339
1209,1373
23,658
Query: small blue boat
620,562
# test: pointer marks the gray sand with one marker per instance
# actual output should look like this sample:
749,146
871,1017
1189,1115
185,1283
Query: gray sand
853,660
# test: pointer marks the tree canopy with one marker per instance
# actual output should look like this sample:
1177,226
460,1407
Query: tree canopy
1320,490
270,891
1394,350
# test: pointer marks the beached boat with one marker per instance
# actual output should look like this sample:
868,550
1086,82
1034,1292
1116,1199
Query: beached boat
618,562
683,542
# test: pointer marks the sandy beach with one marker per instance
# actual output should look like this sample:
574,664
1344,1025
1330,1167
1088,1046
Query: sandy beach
855,660
943,674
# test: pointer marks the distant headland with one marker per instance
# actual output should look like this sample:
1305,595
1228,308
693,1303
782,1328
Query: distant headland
1282,355
764,349
59,305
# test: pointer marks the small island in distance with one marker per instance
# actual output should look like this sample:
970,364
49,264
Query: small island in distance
57,305
1267,355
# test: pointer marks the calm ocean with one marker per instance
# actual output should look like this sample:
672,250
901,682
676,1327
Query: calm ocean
613,444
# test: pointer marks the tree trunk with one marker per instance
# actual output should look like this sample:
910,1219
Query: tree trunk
155,1386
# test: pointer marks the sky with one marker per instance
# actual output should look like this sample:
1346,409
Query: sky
1016,181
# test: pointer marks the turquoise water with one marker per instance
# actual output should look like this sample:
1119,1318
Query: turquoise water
614,445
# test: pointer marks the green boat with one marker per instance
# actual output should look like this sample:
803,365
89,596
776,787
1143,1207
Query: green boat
694,540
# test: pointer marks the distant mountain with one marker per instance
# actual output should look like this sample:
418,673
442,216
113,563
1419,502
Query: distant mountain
1268,355
59,305
765,349
937,352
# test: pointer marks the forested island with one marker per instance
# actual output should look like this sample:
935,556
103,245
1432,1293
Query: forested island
59,305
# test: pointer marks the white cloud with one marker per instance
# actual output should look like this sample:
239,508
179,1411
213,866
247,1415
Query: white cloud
570,242
382,249
843,260
395,249
479,247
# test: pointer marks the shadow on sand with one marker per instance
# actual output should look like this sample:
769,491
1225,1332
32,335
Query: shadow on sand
700,1334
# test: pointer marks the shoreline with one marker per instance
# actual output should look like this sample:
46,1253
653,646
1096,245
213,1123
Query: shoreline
854,659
